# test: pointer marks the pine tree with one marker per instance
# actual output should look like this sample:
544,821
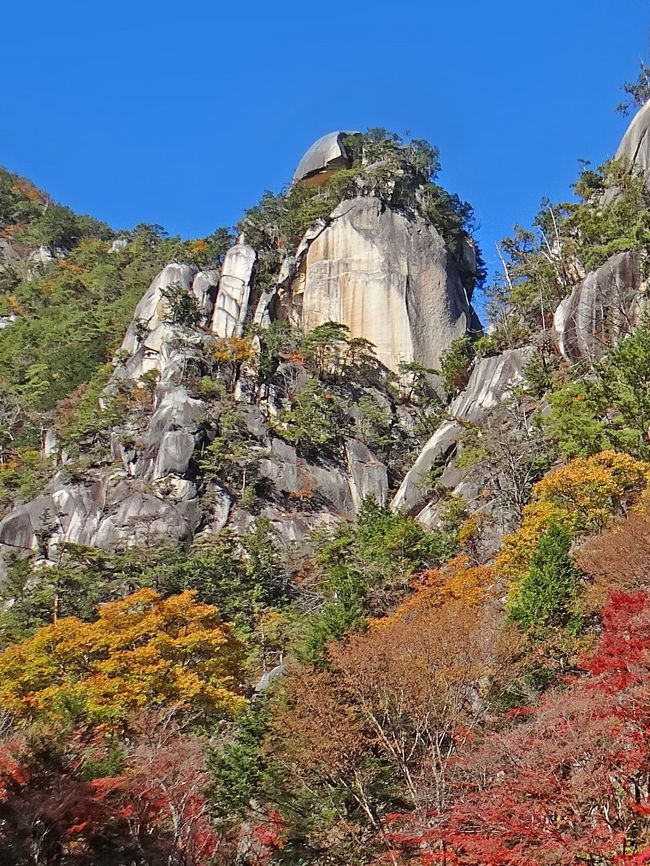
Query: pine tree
546,595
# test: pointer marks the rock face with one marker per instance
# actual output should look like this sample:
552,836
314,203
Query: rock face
601,309
151,493
325,154
489,383
389,278
634,148
234,291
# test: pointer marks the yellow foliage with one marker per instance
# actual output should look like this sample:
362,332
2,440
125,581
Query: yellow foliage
141,651
14,305
233,349
581,496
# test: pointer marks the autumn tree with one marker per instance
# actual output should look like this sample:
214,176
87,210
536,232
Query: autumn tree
581,496
84,797
415,675
142,650
566,782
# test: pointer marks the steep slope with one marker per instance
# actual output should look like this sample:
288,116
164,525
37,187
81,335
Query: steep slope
185,377
312,571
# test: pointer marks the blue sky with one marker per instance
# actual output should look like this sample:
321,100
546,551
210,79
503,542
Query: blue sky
184,113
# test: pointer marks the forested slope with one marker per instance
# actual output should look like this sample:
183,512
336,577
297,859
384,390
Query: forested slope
274,594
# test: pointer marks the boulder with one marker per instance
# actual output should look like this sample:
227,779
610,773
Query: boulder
118,245
151,310
368,475
141,518
204,289
601,309
304,481
489,383
388,277
325,155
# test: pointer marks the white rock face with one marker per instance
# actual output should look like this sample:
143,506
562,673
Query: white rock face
388,278
118,245
488,385
601,309
234,291
151,310
634,148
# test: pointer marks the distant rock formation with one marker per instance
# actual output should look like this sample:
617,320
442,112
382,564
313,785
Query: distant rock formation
489,384
607,304
324,156
234,291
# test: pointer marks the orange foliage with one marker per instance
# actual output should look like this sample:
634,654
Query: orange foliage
233,350
24,187
458,580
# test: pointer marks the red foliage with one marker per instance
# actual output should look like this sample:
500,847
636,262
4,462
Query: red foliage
153,808
568,782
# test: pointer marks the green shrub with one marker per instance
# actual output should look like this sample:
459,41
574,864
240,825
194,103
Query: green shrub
456,363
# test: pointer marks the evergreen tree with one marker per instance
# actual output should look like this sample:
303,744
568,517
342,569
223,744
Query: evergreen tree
546,595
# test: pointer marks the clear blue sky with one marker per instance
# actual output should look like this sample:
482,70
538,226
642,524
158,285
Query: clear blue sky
183,113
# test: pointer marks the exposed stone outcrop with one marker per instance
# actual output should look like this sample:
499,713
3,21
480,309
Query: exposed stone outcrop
151,493
388,277
634,148
368,475
601,309
234,291
490,381
325,154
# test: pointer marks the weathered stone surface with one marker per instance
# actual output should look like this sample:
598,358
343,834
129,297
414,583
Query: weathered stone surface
268,678
368,475
221,505
204,289
151,310
142,518
172,434
20,528
6,321
295,527
601,309
634,148
118,245
325,153
174,453
291,474
386,276
411,495
234,291
489,383
78,510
